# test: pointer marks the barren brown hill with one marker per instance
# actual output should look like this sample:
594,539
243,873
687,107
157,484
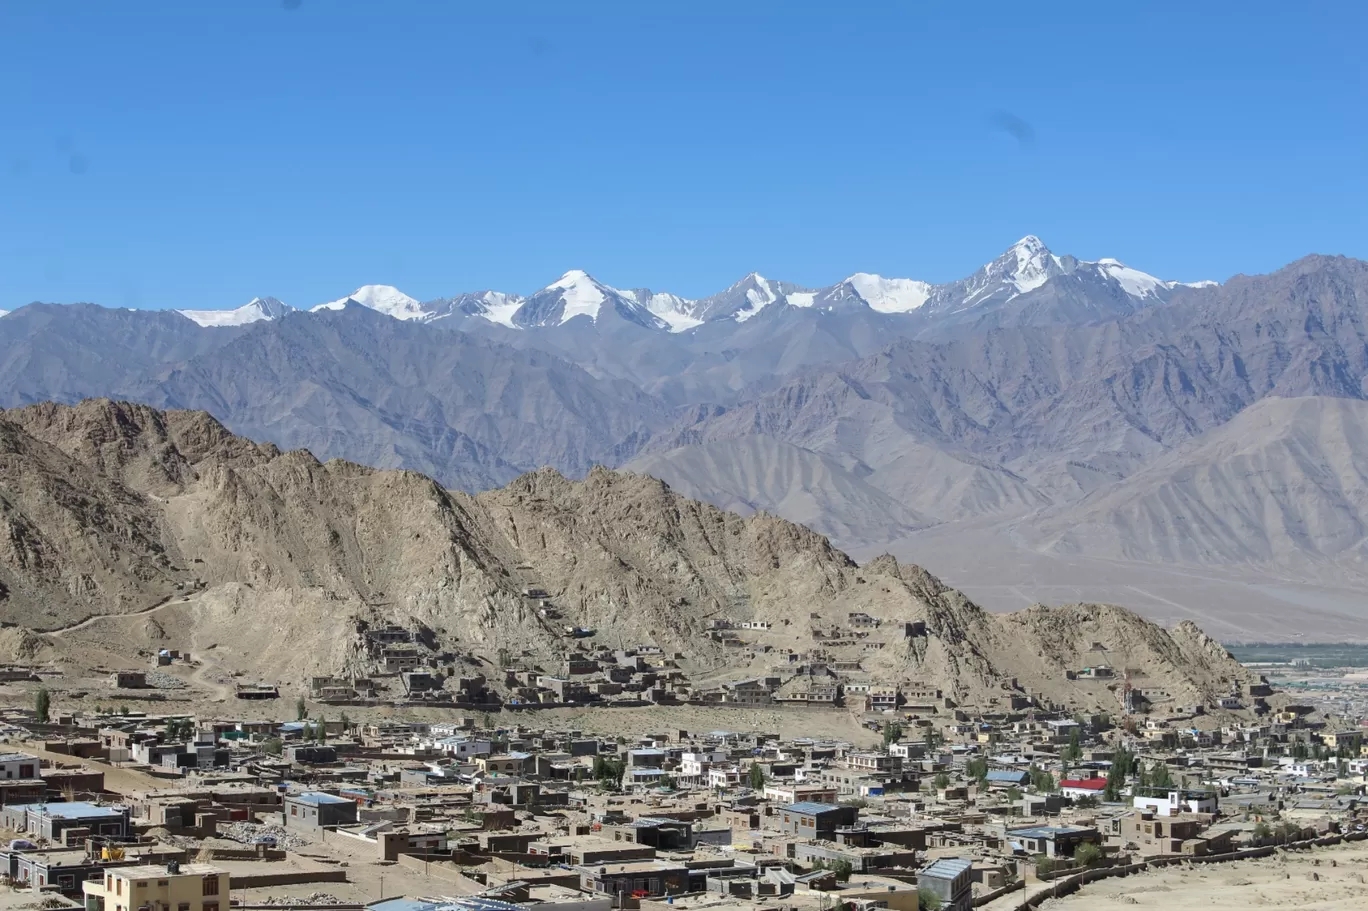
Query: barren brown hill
281,562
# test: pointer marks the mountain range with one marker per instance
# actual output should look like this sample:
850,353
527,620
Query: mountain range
1064,405
123,528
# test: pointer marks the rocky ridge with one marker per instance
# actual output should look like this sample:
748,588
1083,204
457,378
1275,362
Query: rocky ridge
243,543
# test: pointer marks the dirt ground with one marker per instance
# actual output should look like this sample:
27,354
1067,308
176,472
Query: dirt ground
1323,879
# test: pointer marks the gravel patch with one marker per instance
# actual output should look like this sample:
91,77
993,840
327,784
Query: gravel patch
164,681
248,832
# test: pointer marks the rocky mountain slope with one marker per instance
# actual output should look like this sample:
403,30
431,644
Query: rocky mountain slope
277,560
1285,482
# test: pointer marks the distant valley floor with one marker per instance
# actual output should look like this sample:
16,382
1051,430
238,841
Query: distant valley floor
1233,605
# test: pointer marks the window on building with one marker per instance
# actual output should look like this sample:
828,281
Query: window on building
211,885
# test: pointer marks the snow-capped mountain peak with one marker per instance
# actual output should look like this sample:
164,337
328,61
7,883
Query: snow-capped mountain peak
1024,268
499,307
385,299
1132,281
889,295
580,295
4,313
1033,264
677,312
256,310
760,293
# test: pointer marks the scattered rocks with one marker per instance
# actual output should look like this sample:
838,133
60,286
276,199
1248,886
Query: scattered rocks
317,898
250,832
163,681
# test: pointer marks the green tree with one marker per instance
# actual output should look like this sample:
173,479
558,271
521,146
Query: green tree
941,781
301,709
1014,794
1087,802
928,900
1088,854
42,705
755,777
321,730
1044,865
1262,832
892,733
1119,773
346,723
976,769
1074,751
1159,776
1042,780
932,739
842,869
609,772
273,746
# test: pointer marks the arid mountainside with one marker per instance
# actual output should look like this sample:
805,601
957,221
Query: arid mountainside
278,561
1283,483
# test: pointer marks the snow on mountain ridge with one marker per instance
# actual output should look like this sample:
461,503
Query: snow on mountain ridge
500,307
673,309
889,295
386,299
256,310
582,295
1024,267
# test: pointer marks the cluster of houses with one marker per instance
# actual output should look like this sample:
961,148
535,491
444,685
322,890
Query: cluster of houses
937,806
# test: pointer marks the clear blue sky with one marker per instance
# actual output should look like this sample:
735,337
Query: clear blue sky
195,154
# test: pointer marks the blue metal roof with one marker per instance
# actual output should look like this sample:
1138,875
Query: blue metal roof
811,807
317,798
1001,775
1047,831
947,868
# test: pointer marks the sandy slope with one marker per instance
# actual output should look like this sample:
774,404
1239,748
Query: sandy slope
1305,880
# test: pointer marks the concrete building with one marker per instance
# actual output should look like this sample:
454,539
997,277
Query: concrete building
314,810
53,820
815,820
951,880
1053,841
183,887
18,765
1169,802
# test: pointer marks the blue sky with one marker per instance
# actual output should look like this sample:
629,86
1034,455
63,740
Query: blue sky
199,154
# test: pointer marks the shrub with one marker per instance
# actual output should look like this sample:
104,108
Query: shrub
1088,854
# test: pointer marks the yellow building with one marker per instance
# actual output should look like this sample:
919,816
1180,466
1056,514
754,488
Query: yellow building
1344,740
175,887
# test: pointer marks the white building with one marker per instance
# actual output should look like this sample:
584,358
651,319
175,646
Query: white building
1177,801
694,767
18,765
